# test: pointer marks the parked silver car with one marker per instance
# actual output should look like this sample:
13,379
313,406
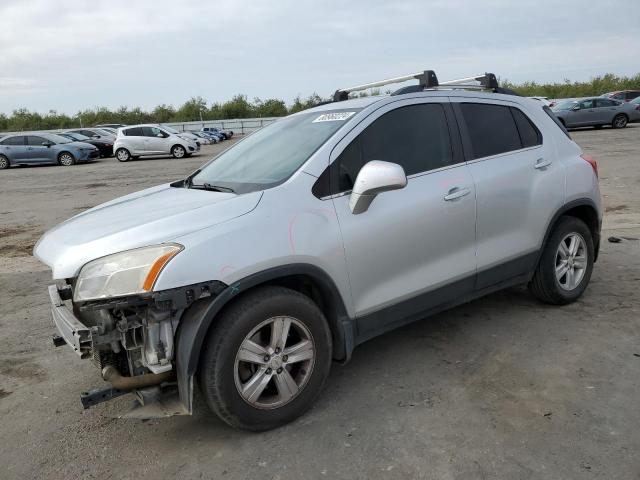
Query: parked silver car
594,111
315,234
43,148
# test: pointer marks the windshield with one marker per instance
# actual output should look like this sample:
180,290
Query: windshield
56,138
272,154
566,105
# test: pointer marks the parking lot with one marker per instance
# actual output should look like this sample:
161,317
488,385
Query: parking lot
503,387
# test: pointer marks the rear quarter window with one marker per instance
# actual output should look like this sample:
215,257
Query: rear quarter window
529,133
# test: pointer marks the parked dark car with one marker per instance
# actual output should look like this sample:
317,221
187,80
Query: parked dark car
43,148
103,145
622,95
95,133
595,111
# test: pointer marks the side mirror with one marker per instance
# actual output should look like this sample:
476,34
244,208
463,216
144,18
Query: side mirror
576,107
95,136
375,177
47,144
160,135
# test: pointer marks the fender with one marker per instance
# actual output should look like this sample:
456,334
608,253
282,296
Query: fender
580,202
197,320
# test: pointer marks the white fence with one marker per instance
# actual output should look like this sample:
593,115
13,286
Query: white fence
237,125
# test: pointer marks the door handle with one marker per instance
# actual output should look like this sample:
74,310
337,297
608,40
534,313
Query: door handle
456,192
542,163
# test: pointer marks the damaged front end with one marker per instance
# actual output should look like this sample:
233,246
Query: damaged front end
131,340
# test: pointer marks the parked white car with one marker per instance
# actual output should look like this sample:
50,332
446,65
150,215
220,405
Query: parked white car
138,140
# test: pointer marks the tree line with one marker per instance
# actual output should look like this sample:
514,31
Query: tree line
239,106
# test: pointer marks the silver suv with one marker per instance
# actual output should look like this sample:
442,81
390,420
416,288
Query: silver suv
315,234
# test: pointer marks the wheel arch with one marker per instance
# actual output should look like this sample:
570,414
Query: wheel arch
585,209
62,152
307,279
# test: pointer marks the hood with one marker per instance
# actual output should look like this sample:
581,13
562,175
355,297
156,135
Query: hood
151,216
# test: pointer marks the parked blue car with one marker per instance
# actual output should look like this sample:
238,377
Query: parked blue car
43,148
217,137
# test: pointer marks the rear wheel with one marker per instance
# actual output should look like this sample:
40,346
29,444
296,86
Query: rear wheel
566,264
620,121
266,359
66,159
178,151
123,155
4,162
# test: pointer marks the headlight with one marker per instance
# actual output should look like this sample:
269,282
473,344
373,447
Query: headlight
125,273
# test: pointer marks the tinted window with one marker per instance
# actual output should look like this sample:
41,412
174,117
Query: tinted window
133,132
35,141
632,95
13,141
529,134
492,129
587,104
603,102
416,137
152,132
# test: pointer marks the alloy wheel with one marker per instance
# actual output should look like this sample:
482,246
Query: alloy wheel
4,163
178,152
274,362
571,261
66,159
620,121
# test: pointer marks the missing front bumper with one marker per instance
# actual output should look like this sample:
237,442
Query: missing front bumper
75,333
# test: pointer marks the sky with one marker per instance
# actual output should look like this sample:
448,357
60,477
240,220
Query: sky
68,55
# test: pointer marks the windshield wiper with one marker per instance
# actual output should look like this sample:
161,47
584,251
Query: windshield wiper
212,188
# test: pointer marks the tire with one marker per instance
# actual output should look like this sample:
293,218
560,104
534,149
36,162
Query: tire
549,284
4,162
620,121
224,375
178,151
123,155
66,159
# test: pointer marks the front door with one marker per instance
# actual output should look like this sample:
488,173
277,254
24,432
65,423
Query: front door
414,248
36,151
154,140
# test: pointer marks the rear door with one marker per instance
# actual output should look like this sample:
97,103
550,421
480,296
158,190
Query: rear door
413,248
519,186
607,109
16,148
135,139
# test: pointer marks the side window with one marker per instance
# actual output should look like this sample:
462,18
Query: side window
632,95
529,134
604,102
133,132
415,137
492,129
19,140
34,141
147,132
586,104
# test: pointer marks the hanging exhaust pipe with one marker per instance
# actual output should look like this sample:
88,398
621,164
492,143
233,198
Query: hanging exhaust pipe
112,375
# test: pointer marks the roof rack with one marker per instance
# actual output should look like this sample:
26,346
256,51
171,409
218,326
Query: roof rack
428,80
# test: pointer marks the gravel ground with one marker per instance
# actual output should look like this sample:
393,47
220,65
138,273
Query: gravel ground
502,387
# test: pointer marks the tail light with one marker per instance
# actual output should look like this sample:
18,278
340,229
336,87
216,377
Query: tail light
589,159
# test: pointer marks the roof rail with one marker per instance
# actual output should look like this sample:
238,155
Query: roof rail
429,80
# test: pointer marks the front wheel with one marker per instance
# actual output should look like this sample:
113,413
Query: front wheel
66,159
620,121
266,359
123,155
4,162
178,151
566,263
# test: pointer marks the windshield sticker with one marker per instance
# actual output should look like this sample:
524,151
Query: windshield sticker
334,117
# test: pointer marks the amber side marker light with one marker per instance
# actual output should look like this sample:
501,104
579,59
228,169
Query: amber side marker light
156,268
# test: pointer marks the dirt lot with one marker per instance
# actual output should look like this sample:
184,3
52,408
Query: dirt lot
503,387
